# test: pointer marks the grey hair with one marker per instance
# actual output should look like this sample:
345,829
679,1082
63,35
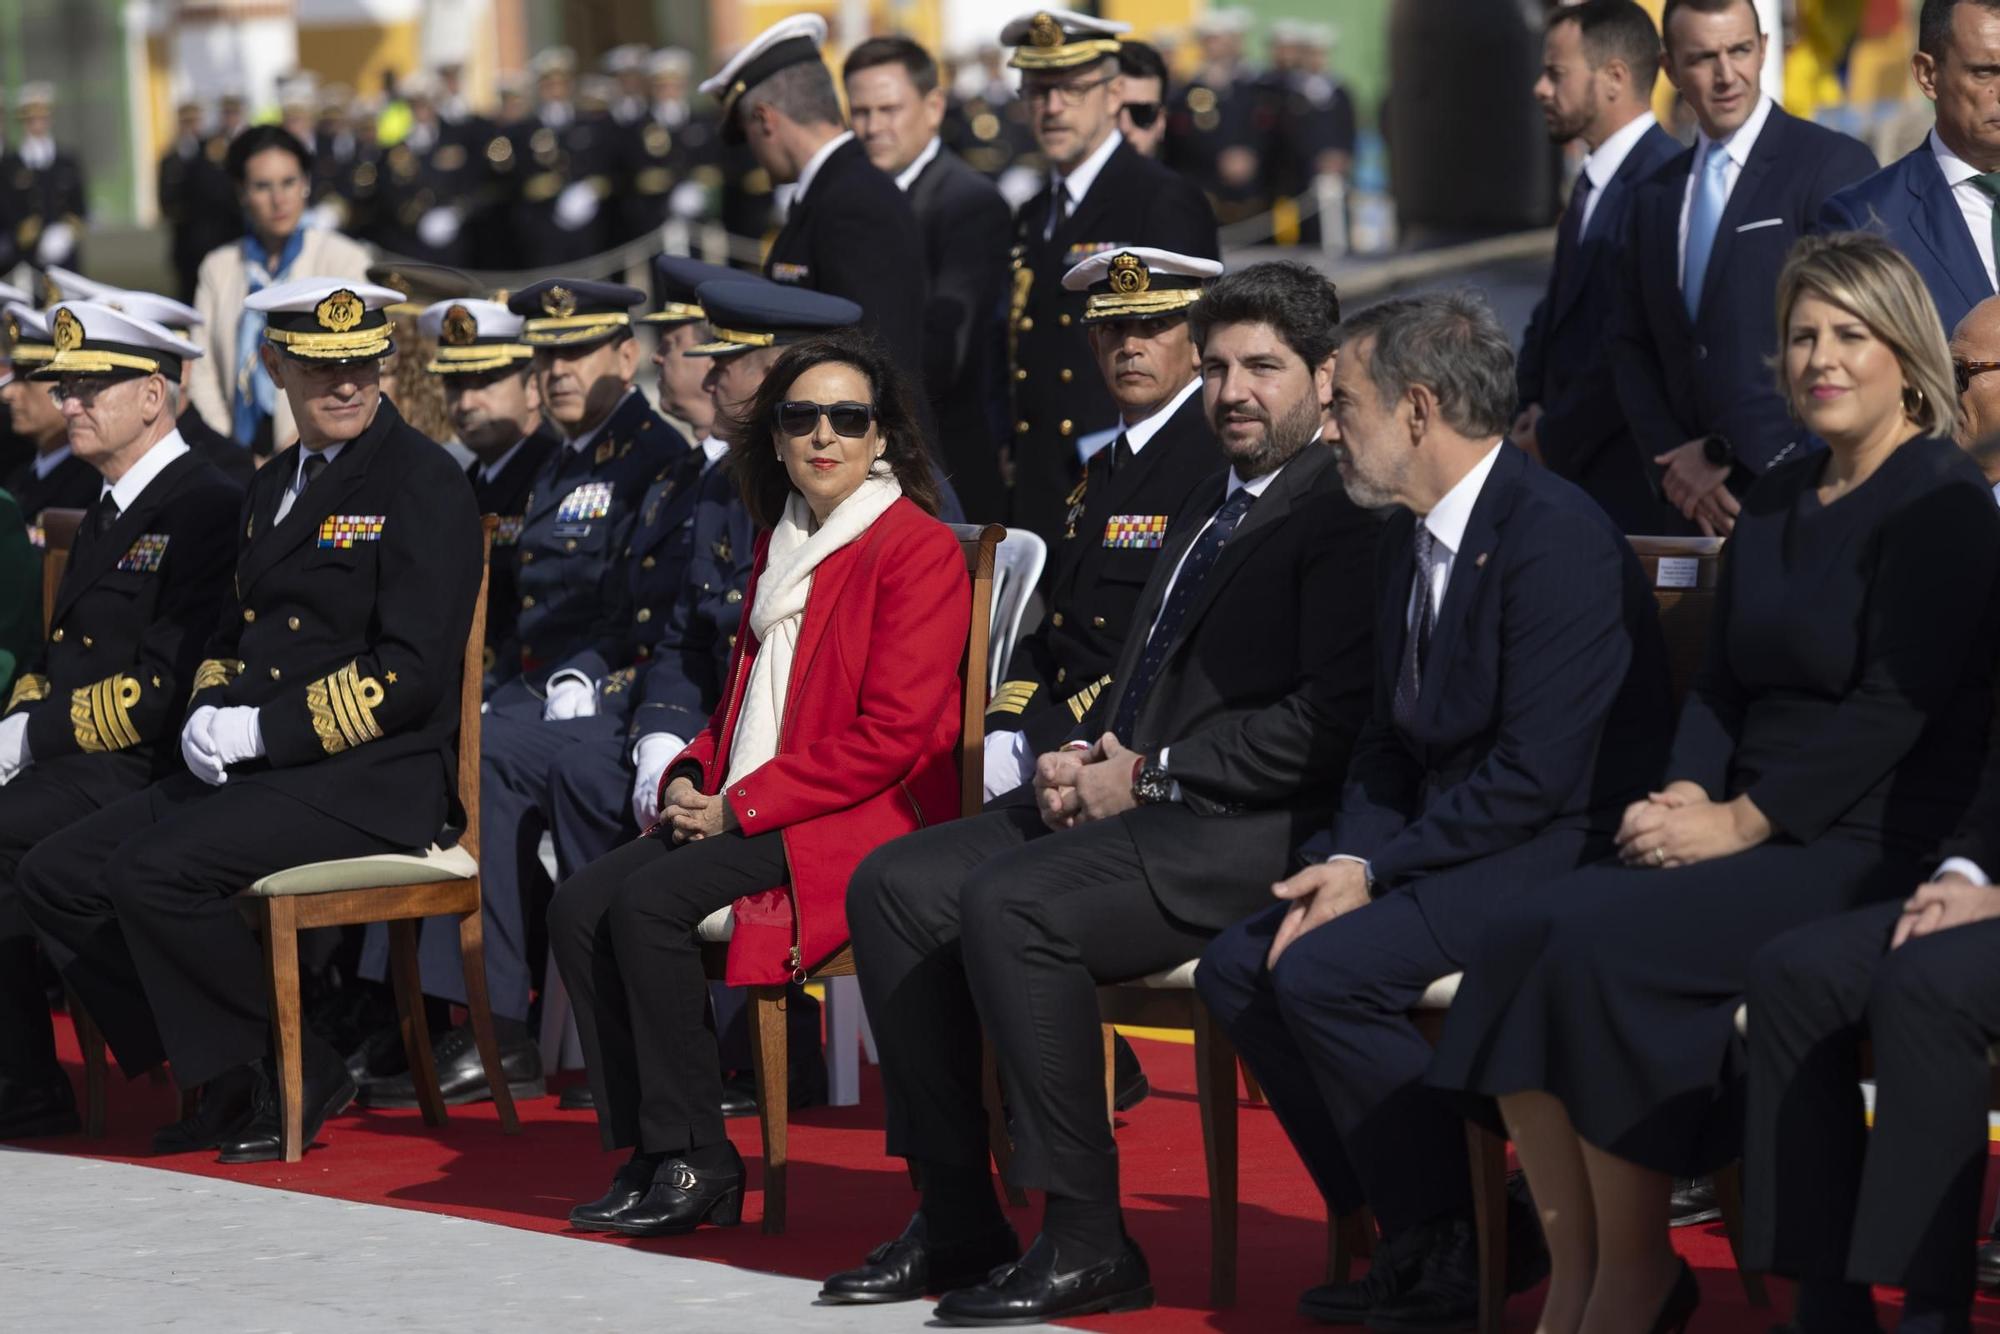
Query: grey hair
803,92
1449,342
173,391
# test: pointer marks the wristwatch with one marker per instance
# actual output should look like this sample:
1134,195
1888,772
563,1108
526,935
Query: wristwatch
1718,451
1150,784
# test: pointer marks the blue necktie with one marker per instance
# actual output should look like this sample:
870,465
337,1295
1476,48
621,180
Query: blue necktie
1201,558
1704,220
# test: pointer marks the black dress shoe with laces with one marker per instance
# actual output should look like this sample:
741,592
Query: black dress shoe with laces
327,1092
910,1266
461,1074
577,1098
1036,1288
628,1187
1693,1202
1443,1294
1393,1267
221,1115
28,1111
683,1197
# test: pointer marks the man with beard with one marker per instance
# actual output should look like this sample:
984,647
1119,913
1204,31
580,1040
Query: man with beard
1176,803
1520,702
1599,63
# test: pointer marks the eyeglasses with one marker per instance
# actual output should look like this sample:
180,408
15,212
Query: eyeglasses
1143,114
1068,94
797,417
1963,371
84,390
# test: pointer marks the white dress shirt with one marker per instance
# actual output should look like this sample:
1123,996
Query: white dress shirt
714,447
1078,182
1604,161
1737,146
1973,203
818,160
908,175
126,490
292,492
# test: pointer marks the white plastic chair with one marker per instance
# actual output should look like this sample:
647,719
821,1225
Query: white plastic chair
1017,568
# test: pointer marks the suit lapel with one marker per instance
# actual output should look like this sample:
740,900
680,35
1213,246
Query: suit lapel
1941,227
1154,596
1468,567
1095,201
323,498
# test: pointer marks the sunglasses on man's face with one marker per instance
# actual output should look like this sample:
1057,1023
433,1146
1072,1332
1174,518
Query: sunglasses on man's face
798,417
1963,371
1143,114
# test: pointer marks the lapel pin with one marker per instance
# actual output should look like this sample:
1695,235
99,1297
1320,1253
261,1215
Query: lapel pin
1480,562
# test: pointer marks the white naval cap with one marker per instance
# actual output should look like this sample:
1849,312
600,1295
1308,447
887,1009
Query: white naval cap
1060,39
1228,22
37,94
473,337
26,333
327,319
161,310
552,60
668,62
790,41
93,339
626,59
1139,282
9,294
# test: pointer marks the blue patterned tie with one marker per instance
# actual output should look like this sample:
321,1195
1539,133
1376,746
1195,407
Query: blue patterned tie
1201,558
1417,642
1711,194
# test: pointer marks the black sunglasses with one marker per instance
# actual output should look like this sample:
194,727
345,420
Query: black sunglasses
1143,114
1963,371
798,417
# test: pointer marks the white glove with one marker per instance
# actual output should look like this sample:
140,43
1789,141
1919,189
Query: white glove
576,206
653,754
571,695
1009,762
198,747
14,755
438,228
57,245
236,735
689,200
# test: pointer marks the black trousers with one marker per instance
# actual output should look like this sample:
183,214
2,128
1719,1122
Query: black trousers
996,922
133,904
623,931
42,799
1824,1197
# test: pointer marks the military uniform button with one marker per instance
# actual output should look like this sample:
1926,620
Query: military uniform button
645,614
570,545
732,641
88,642
1066,427
648,563
734,596
1027,324
248,616
527,557
1063,320
1062,675
1020,428
276,674
1020,372
1067,375
293,623
527,602
56,638
1056,620
1097,622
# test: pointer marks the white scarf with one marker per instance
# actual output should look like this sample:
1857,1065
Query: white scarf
795,552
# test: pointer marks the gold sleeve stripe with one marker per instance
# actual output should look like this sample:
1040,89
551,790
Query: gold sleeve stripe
1080,702
1013,696
27,690
343,708
101,714
215,672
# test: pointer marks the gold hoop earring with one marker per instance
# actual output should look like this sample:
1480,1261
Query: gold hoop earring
1914,402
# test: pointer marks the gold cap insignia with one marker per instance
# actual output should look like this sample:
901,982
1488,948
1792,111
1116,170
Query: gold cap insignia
1044,31
50,292
460,328
340,312
68,331
559,302
1129,275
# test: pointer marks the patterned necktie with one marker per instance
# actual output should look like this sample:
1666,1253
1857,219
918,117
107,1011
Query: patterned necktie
1569,235
1989,185
1417,643
1201,558
1711,194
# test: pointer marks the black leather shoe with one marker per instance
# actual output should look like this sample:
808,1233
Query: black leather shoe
1393,1268
682,1198
327,1090
739,1096
224,1110
628,1187
1444,1294
1129,1086
1693,1202
1989,1264
577,1098
47,1109
1035,1288
739,1091
462,1077
910,1266
378,1057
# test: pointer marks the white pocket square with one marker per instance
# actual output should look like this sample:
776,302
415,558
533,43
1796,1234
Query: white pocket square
1764,222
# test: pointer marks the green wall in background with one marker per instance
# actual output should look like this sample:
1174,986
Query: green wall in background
1362,58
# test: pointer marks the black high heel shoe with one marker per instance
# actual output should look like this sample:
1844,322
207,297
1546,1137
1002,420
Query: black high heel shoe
1679,1307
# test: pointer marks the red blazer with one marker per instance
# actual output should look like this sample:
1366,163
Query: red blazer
867,749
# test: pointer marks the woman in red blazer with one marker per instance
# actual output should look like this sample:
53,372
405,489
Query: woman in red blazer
837,732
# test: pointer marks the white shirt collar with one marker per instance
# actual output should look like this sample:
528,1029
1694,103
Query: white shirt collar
49,462
907,177
1610,155
1453,511
1078,182
818,160
330,453
1739,144
1956,169
714,446
583,442
125,492
489,471
1139,434
38,151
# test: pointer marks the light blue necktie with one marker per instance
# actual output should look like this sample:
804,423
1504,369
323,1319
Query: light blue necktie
1704,220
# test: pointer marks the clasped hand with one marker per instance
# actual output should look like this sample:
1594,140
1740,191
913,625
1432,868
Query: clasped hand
1681,826
1074,785
1696,488
1318,894
692,815
1948,901
212,739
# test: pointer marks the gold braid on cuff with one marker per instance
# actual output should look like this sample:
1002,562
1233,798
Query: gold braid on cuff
343,709
27,690
1080,702
215,672
101,714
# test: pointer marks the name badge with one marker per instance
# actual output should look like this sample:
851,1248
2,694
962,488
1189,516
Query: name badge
592,500
145,554
1134,532
344,530
790,273
507,532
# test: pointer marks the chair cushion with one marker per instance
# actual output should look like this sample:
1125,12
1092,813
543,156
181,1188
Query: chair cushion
719,927
1440,994
384,870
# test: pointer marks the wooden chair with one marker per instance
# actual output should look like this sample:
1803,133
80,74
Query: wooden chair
58,539
399,889
769,1054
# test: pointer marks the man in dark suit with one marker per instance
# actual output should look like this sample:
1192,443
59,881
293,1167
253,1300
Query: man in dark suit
897,108
1521,701
850,232
93,717
1599,63
1118,515
1936,203
1695,332
1101,196
53,478
321,727
1233,707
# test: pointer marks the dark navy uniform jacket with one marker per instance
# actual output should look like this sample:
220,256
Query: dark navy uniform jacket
506,497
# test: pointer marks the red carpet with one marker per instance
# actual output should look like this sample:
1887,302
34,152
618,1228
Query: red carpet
845,1196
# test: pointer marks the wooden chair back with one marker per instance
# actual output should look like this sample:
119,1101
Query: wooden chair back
1683,573
58,539
979,542
471,681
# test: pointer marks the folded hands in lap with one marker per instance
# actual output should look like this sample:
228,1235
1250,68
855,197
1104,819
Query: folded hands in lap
692,815
1680,826
1075,784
